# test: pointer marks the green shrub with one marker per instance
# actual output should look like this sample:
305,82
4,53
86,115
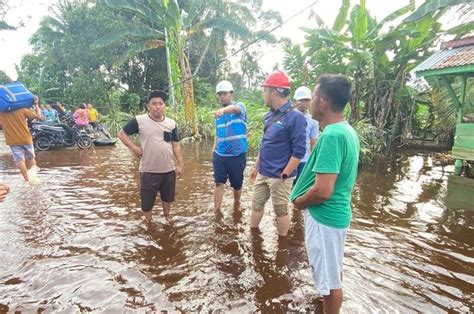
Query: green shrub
369,142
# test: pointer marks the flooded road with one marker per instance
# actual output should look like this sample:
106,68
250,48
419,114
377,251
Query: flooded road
76,243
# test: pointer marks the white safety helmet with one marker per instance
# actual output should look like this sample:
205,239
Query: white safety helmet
224,86
302,92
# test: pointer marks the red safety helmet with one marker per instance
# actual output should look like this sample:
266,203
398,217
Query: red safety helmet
277,79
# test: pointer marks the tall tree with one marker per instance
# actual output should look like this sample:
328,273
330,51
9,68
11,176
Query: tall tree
62,62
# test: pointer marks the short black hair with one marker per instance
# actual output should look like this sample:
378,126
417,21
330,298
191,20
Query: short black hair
336,89
82,106
158,93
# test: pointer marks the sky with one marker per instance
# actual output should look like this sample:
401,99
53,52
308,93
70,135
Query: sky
14,44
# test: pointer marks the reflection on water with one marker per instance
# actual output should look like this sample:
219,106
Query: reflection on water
76,243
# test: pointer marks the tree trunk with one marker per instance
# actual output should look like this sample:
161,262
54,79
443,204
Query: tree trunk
189,106
388,116
355,112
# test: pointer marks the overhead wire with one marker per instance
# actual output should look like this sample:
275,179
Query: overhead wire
262,36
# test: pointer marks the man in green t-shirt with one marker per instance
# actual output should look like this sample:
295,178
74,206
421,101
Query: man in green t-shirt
325,186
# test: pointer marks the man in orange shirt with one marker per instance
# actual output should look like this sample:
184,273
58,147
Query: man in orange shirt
18,137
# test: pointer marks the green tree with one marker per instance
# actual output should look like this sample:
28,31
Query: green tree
62,67
4,77
378,61
213,19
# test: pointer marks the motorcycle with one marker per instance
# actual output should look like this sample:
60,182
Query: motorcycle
59,135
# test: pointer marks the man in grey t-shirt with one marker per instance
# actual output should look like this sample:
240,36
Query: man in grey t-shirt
159,146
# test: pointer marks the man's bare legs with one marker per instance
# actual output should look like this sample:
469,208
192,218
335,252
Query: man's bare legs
166,212
166,209
148,217
255,218
283,222
283,225
237,195
332,302
23,169
24,166
218,195
30,163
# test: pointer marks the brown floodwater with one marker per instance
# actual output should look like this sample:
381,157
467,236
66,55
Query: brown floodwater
76,242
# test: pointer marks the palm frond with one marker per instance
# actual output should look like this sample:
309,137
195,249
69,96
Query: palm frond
138,8
141,31
341,18
432,6
359,22
223,24
138,48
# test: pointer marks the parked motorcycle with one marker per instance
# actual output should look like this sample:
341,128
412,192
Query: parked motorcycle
60,135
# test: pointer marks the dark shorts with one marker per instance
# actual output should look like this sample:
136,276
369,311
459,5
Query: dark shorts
229,167
152,183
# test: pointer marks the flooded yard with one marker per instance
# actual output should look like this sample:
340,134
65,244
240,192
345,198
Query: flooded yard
76,242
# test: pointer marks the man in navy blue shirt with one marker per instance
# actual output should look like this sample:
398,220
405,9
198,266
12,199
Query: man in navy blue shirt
282,147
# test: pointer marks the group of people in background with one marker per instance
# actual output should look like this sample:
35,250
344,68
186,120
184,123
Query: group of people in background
84,115
18,137
294,164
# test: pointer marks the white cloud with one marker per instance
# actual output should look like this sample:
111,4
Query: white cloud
14,44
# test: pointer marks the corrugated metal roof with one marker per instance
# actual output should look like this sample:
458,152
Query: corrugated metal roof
447,58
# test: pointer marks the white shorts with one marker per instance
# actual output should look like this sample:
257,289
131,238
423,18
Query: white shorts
325,249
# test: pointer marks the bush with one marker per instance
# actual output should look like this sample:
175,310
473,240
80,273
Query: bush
115,118
369,141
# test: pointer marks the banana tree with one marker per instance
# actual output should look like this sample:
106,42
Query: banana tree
379,61
354,38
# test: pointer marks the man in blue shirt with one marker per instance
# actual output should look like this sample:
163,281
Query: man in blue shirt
50,114
230,145
282,147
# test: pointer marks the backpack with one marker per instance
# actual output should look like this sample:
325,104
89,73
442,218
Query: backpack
14,96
